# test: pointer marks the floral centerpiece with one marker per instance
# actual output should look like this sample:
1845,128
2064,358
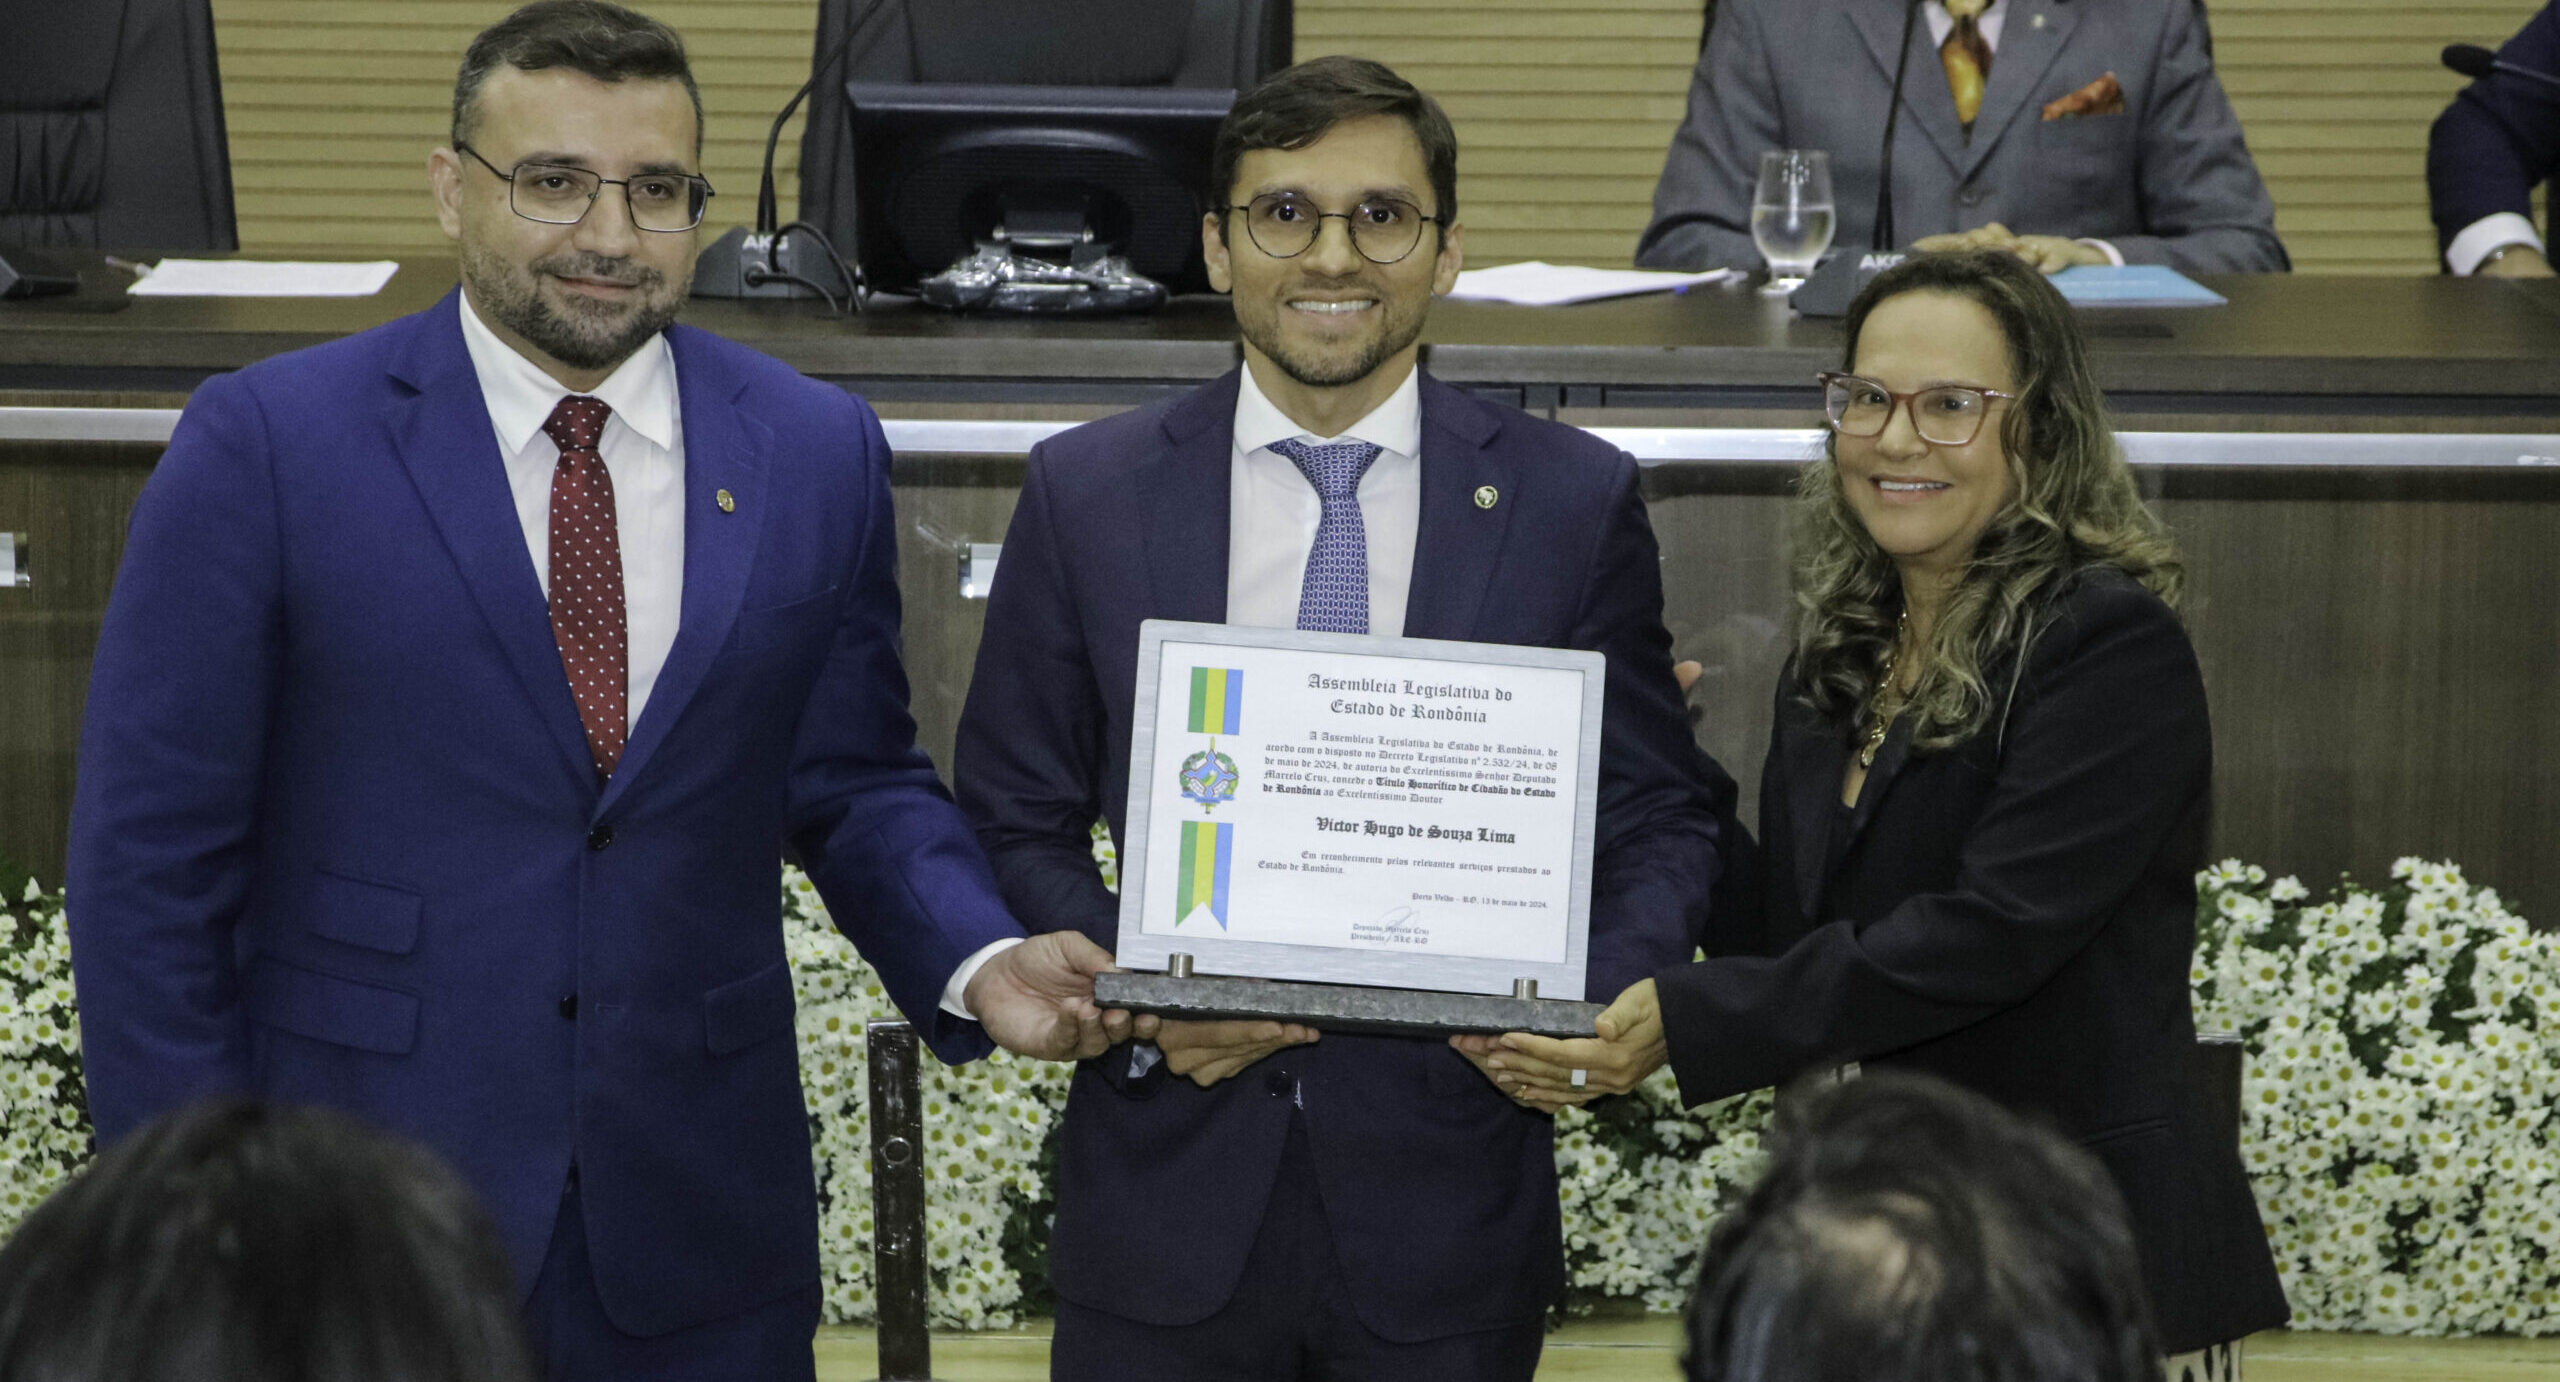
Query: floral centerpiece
2404,1059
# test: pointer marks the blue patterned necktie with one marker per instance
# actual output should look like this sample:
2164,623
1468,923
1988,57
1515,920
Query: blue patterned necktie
1335,595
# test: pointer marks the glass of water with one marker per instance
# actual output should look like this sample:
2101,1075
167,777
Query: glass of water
1791,214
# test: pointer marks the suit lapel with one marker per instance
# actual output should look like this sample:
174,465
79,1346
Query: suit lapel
1891,757
442,432
1458,540
1181,503
2027,51
1816,756
724,449
1815,760
1926,101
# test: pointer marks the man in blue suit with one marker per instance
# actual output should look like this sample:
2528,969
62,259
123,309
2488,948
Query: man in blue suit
462,684
1246,1200
2500,136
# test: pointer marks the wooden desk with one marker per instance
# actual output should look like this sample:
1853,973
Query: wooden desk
2376,626
2375,347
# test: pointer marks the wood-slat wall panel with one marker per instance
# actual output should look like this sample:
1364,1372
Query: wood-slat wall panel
333,106
1563,110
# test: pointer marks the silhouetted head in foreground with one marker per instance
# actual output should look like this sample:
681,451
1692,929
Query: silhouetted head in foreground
233,1242
1911,1231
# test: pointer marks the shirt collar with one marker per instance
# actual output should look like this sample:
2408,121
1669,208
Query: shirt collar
1394,425
641,390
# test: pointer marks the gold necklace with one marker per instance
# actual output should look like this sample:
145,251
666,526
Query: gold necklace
1884,686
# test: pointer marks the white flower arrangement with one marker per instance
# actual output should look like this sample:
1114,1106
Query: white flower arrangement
986,1126
2404,1067
2404,1061
44,1109
1643,1180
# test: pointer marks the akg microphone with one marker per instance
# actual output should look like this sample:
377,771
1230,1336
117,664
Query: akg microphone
1883,236
2477,63
1827,293
767,260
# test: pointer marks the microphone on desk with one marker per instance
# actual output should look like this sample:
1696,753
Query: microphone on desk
2477,63
1833,285
1883,236
767,261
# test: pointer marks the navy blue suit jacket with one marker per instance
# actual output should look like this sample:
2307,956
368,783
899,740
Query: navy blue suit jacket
1439,1192
338,840
2500,136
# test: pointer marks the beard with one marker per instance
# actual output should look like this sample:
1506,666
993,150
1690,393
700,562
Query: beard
1333,365
584,333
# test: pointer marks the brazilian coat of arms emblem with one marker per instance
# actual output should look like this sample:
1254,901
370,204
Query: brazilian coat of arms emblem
1209,777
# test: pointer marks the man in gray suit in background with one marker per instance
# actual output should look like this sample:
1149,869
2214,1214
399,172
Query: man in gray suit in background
2097,133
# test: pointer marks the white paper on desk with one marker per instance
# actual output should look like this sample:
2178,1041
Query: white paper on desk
261,278
1538,284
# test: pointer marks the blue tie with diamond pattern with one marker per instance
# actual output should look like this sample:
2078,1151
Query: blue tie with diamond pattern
1334,598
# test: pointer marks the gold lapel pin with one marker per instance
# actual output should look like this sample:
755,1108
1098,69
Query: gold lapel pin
2036,23
726,503
1487,496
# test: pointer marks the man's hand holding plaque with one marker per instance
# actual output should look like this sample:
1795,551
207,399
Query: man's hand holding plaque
1207,1052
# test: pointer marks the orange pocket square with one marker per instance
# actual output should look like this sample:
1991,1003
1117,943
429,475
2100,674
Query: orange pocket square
2105,96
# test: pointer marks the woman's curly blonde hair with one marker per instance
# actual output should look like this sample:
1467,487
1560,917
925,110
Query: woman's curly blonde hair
2072,505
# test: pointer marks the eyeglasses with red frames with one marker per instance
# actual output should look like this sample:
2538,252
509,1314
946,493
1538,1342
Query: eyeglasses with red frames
1944,415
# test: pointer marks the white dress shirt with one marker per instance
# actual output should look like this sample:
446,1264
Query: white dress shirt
2495,231
643,450
1989,24
1272,510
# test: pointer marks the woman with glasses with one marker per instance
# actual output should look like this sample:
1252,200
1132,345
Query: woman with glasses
1987,788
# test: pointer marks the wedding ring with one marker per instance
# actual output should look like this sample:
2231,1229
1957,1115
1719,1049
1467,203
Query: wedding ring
1581,1078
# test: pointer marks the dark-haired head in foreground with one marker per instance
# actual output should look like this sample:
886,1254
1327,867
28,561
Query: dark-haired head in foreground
1911,1231
233,1242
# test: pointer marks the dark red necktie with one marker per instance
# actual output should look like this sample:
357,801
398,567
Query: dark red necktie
586,579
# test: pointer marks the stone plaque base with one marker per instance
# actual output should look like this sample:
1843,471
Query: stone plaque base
1342,1007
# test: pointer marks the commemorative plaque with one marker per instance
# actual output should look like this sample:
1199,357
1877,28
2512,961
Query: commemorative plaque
1358,832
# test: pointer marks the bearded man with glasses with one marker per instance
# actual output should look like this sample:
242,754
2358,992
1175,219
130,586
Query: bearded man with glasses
1246,1200
464,682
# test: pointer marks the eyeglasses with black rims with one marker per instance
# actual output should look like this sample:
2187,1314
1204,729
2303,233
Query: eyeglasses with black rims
1383,229
1943,415
561,194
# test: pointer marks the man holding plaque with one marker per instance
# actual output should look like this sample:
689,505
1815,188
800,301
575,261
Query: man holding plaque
1249,1200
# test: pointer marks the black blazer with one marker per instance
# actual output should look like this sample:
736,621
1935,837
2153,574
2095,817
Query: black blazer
1440,1193
2015,914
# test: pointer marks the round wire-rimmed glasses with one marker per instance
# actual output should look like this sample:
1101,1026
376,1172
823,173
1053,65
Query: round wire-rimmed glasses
1383,229
1944,415
561,194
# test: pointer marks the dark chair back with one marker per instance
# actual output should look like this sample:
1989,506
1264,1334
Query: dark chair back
111,133
1210,44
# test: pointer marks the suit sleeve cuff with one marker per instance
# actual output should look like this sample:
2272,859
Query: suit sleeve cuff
2114,256
955,993
2493,231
